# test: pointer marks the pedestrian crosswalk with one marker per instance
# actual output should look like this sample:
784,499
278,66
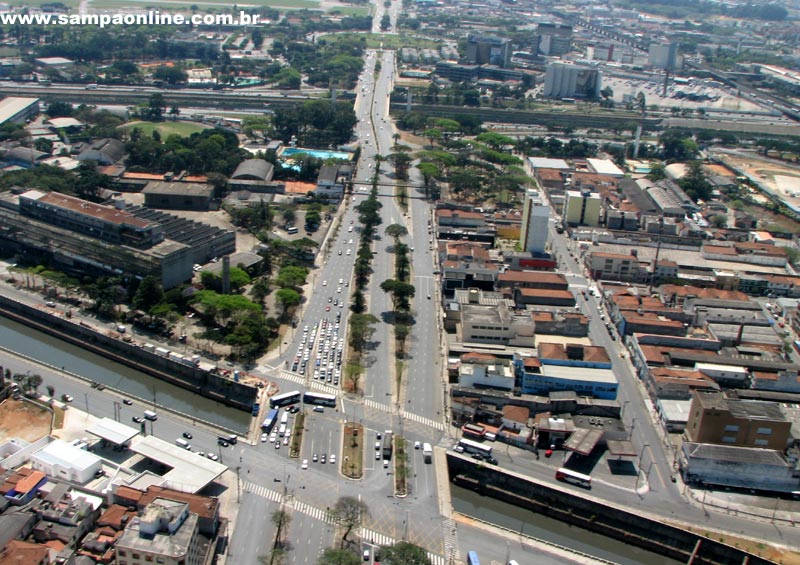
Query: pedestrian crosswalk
376,538
261,491
313,511
423,420
450,536
367,535
369,403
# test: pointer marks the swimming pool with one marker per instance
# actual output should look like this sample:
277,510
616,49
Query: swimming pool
318,153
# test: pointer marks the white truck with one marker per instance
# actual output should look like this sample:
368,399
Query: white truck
427,452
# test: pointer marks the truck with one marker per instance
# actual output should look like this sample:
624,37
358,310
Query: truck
387,445
427,452
150,415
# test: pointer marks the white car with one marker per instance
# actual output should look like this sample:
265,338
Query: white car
350,229
286,440
385,464
324,283
212,456
377,456
417,445
264,438
348,252
305,464
333,458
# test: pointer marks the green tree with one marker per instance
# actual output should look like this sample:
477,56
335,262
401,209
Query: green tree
404,553
170,75
333,556
150,293
291,277
695,183
32,383
719,220
287,298
59,109
396,231
348,513
156,105
433,135
362,326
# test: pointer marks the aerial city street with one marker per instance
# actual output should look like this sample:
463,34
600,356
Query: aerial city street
402,282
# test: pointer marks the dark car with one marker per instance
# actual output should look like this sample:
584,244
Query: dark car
127,401
137,419
187,435
222,443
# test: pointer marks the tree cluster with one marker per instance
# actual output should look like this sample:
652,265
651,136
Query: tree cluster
208,151
316,123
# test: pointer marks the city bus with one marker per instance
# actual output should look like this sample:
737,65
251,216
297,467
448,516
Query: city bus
470,446
573,477
473,431
283,399
472,558
269,421
320,398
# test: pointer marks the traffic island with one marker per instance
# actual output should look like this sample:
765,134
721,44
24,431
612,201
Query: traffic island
400,467
353,451
297,435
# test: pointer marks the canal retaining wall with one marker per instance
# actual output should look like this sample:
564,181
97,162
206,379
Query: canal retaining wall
593,514
200,381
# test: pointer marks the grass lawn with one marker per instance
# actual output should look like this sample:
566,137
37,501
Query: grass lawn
351,10
58,418
184,129
353,451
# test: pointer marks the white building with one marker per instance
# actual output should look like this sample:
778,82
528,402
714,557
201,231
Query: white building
496,375
166,532
64,461
535,218
729,373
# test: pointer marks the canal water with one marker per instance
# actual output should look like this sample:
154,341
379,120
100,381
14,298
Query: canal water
535,525
52,351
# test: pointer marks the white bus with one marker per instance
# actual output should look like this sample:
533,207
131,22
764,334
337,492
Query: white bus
320,398
573,477
469,446
284,399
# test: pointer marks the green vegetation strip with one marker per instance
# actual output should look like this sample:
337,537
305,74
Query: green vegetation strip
297,435
352,460
400,466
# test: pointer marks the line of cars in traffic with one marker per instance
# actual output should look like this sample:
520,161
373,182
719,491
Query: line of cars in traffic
323,344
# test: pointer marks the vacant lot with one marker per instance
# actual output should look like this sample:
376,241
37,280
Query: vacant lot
23,420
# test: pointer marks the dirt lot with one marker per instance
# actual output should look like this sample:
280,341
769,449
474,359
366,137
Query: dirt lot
23,420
